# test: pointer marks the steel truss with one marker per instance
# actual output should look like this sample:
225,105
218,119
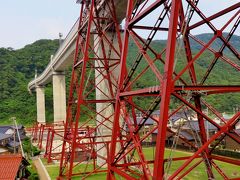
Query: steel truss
40,132
176,81
54,141
92,94
102,132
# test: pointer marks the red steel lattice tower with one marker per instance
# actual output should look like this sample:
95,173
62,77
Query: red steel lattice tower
92,90
175,82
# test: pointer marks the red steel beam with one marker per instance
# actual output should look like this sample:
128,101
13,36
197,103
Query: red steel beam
203,136
218,14
167,86
116,127
190,169
144,13
222,130
219,170
226,160
154,90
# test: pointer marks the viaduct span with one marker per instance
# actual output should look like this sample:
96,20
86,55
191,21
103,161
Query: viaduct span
55,71
106,86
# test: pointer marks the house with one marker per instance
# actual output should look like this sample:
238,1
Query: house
9,139
177,118
5,139
181,117
13,167
189,130
186,120
170,137
149,123
9,129
193,126
230,143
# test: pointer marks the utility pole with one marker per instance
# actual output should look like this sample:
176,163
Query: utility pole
14,139
207,127
60,39
19,139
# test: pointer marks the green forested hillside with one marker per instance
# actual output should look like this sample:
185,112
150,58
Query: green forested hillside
17,68
222,73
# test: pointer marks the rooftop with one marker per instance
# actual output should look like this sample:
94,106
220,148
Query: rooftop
4,136
3,129
149,121
9,165
13,144
194,125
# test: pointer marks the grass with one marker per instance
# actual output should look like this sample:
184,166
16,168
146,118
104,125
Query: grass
54,170
199,173
232,171
44,161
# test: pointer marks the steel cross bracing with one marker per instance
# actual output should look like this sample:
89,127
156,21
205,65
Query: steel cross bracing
54,142
43,134
92,91
175,80
103,131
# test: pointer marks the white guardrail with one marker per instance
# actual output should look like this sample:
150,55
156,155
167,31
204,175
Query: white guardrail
56,60
67,47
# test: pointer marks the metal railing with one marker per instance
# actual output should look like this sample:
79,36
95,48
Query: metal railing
46,74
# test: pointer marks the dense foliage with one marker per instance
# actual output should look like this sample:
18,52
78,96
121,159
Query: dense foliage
17,68
29,149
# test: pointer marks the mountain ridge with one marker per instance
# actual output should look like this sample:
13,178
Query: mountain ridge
18,68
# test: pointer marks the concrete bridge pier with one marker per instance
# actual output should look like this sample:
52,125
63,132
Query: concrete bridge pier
41,118
103,92
59,96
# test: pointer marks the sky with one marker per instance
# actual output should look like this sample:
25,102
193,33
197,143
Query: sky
207,7
25,21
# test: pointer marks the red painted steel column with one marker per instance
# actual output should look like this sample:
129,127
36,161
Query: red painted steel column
68,123
80,92
167,86
35,132
123,72
203,135
222,130
50,145
47,143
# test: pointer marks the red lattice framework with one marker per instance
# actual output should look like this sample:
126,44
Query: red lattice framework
177,81
96,61
40,132
54,140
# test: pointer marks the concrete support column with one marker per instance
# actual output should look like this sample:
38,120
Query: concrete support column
41,118
103,92
59,96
